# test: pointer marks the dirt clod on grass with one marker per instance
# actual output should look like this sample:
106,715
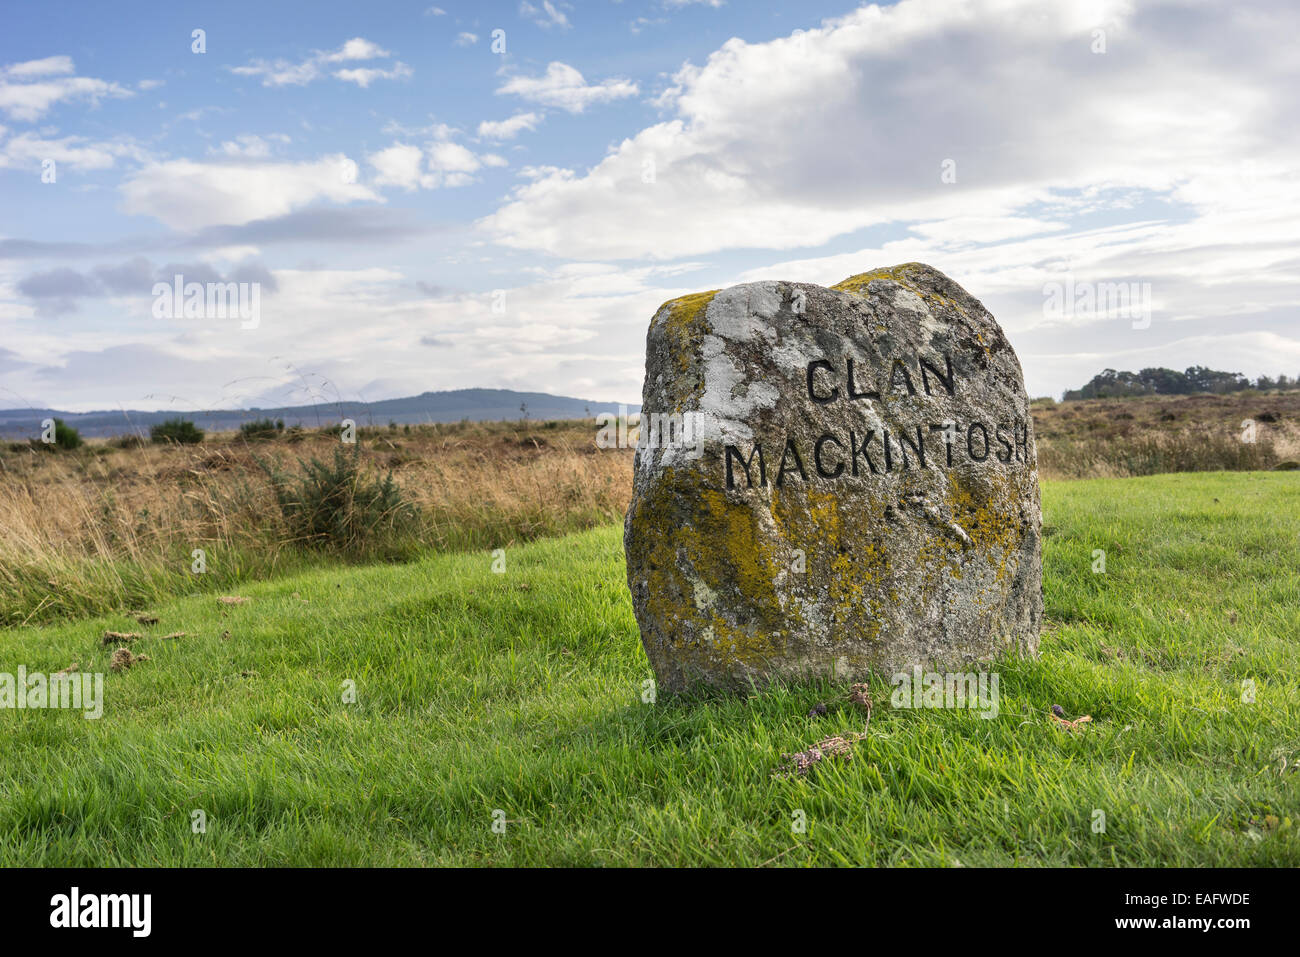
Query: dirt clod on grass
116,637
123,659
232,599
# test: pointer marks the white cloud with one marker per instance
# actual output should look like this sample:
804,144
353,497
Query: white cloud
508,129
452,158
547,15
364,76
49,66
1202,288
28,150
280,72
640,23
249,146
436,131
442,164
575,331
962,230
465,39
399,165
288,73
793,142
358,48
1165,161
563,86
41,85
189,195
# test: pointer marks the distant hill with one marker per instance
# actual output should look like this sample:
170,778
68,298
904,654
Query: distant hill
476,405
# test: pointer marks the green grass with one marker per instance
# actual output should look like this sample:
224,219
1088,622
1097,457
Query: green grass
522,692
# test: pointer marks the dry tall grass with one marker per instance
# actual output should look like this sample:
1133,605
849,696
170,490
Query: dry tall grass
107,527
1119,438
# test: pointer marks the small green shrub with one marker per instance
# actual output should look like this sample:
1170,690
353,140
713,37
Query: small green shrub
261,429
336,505
65,436
182,431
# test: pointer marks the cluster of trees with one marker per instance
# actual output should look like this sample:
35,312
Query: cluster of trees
1108,383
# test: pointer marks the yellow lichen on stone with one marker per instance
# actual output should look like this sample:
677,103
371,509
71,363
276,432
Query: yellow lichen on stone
991,523
725,549
855,568
680,324
730,538
857,284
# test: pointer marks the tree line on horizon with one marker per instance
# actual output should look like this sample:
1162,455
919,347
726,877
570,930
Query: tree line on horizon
1110,383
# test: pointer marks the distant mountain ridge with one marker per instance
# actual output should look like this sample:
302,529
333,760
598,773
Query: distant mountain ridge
476,405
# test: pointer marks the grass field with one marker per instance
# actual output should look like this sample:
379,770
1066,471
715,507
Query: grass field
521,692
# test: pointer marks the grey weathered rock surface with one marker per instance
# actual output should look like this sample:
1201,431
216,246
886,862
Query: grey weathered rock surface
890,515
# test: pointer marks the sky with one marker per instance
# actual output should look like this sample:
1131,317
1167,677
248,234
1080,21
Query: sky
500,194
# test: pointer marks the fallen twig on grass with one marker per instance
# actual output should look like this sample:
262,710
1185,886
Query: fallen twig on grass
798,763
1074,725
835,746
